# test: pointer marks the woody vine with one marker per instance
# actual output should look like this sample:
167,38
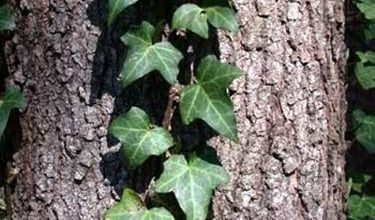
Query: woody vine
189,177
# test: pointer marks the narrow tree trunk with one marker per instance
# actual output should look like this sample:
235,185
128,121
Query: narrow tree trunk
290,107
291,112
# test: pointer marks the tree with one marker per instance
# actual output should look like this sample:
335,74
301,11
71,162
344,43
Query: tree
290,107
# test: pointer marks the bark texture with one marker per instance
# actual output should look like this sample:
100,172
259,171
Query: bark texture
290,106
291,110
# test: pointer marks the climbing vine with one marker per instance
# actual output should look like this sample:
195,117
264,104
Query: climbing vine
190,177
361,203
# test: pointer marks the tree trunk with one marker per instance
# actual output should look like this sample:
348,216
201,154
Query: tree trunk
291,112
290,106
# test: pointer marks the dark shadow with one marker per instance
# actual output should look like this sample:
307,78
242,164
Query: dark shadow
149,93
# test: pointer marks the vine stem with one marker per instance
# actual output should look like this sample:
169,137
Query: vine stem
174,98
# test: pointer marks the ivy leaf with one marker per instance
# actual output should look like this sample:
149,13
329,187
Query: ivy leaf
115,7
367,7
192,182
12,99
208,99
361,206
194,18
365,69
132,207
369,30
365,129
144,57
139,140
6,18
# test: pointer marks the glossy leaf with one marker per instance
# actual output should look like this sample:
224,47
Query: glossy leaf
144,57
208,98
367,7
115,7
192,182
138,138
194,18
6,18
131,207
12,99
365,129
361,206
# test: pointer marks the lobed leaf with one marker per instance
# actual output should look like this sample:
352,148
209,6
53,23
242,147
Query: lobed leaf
365,129
361,206
208,99
12,99
6,18
115,7
192,182
139,140
365,70
144,57
195,18
367,7
131,207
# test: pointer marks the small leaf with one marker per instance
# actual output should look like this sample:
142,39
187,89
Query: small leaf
365,75
368,56
12,99
365,129
131,207
367,7
6,18
144,57
116,7
194,18
139,140
192,182
208,99
361,206
369,30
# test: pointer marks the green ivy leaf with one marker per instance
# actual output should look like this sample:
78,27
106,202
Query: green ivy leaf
115,7
12,99
194,18
361,206
6,18
139,140
131,207
192,182
144,57
365,69
369,30
365,129
367,7
208,99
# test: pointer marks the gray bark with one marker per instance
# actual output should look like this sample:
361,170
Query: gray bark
290,106
291,109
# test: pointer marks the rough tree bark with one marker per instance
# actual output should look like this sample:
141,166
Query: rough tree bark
291,112
290,106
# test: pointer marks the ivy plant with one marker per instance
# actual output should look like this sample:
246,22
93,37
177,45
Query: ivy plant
188,175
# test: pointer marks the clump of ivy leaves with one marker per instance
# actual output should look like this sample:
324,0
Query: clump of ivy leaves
12,99
361,203
191,178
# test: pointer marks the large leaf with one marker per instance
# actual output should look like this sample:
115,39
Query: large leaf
361,206
365,129
144,57
131,207
365,69
367,7
115,7
194,18
139,139
6,18
192,182
208,99
12,99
